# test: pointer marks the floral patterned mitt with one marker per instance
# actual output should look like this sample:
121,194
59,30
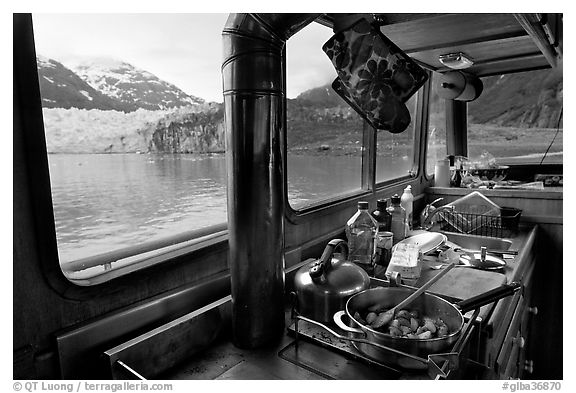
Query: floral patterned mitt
374,76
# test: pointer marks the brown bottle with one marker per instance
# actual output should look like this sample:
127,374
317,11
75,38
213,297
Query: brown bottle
382,216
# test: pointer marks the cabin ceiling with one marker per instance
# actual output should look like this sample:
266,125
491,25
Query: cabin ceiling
497,43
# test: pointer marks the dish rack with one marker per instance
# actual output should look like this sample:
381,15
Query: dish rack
475,214
480,224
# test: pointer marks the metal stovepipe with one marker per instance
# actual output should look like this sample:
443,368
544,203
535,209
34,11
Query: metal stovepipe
254,91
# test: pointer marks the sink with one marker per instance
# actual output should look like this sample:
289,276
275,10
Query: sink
473,242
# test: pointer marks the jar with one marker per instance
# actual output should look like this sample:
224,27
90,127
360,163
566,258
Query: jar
442,173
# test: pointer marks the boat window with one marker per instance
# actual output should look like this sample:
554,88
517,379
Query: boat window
518,118
436,148
324,134
133,118
395,152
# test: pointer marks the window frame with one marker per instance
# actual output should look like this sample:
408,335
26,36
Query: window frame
171,248
369,186
414,171
428,94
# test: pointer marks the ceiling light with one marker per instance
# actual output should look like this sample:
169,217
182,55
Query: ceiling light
456,61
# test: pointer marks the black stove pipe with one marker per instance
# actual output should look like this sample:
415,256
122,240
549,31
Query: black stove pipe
254,92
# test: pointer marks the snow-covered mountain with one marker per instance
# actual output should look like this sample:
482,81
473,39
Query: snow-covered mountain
60,87
107,84
132,85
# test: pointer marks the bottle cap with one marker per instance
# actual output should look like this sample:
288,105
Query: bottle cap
381,204
408,189
395,199
363,205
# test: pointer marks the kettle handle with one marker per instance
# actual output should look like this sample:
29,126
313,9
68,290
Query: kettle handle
332,246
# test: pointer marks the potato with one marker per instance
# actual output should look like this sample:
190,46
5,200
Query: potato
382,319
395,332
404,322
439,322
405,330
407,323
429,325
371,317
442,331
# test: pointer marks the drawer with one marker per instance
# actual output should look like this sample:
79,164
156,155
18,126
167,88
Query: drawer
513,366
511,338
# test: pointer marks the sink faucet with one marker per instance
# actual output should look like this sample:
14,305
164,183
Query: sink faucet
429,212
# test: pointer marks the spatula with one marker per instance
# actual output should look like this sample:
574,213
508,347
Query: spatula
387,316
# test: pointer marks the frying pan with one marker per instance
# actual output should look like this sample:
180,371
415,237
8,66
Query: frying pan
429,305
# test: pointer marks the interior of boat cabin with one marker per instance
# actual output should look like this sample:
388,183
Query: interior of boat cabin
448,124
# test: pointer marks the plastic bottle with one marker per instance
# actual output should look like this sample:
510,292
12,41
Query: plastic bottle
398,226
361,230
442,173
407,202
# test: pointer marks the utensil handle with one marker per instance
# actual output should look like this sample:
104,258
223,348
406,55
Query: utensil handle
340,323
489,251
424,287
508,252
488,297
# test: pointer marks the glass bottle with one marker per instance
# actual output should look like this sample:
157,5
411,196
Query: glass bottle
384,237
382,216
398,224
361,230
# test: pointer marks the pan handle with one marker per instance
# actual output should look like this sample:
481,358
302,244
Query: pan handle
488,297
338,320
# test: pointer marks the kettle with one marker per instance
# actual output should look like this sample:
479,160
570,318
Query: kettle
324,285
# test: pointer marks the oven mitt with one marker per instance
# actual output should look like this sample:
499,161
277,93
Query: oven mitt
392,116
374,76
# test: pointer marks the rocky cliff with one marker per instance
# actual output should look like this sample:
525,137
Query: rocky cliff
194,130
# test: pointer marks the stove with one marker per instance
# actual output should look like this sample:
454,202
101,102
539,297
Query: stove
315,342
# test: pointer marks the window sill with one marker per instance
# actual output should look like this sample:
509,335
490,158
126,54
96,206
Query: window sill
547,193
97,273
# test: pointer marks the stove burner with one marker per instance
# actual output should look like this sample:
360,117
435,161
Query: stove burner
437,365
320,352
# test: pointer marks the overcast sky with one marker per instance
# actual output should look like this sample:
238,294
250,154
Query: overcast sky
183,49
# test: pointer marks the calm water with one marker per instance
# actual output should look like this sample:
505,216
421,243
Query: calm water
104,202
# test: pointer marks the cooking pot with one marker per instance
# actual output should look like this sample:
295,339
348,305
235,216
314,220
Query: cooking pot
323,286
428,305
